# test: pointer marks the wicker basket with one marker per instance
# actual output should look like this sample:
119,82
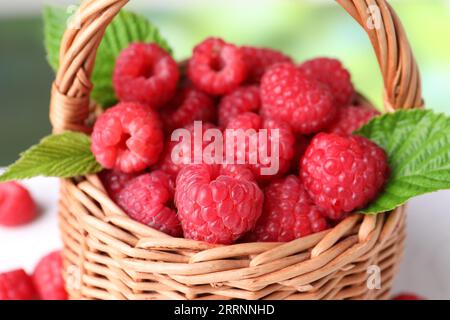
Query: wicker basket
109,256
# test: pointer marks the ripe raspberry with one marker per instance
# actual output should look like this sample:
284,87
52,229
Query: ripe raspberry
407,296
217,67
16,205
351,118
287,95
343,173
127,137
215,207
288,213
47,277
185,150
256,146
114,181
149,200
243,99
16,285
188,105
260,59
145,73
331,73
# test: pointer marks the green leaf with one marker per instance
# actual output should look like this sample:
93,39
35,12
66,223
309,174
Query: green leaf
64,155
126,28
417,143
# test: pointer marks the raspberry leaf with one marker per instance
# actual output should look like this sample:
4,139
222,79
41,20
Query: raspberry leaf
417,143
126,28
63,155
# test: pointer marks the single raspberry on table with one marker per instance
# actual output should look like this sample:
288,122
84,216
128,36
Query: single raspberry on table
288,213
114,181
149,200
243,99
16,285
407,296
127,137
332,73
145,73
351,118
48,279
288,95
16,205
343,173
214,206
188,105
180,152
271,148
217,67
260,59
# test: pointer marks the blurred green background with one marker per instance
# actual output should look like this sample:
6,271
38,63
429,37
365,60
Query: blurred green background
301,28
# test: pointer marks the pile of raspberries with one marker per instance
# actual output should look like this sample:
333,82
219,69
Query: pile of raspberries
325,173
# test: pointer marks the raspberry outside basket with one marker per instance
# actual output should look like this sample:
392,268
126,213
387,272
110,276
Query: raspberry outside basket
109,256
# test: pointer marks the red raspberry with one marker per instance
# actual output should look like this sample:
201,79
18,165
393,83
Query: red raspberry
114,181
217,67
243,142
127,137
149,200
214,207
16,205
287,95
47,277
188,105
288,213
260,59
331,73
407,296
145,73
16,285
351,118
185,150
243,99
343,173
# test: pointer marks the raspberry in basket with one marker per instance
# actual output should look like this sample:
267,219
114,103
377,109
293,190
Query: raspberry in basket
149,200
145,73
243,99
185,151
260,59
351,118
16,205
16,285
48,279
288,213
188,105
288,95
114,181
343,173
278,160
127,137
217,67
331,73
216,207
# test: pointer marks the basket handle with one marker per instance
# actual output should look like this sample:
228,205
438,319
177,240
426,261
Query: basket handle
70,105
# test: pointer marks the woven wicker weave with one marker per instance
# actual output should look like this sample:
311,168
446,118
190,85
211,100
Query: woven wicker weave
109,256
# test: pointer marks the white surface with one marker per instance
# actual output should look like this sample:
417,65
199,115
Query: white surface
425,269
